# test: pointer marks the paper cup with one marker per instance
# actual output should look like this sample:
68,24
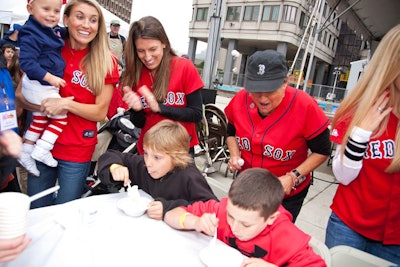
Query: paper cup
14,209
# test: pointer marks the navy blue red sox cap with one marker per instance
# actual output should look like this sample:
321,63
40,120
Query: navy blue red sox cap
266,71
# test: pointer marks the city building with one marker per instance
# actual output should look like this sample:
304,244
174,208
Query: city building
330,32
120,8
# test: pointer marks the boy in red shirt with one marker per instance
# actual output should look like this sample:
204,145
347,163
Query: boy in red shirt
253,221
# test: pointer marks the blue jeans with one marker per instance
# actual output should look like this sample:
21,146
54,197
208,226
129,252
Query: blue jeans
71,178
338,233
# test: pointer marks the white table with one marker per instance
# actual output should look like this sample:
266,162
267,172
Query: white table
59,238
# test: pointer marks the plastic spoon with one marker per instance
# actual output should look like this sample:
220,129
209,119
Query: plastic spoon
44,193
213,241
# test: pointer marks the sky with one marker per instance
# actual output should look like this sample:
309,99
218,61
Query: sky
175,16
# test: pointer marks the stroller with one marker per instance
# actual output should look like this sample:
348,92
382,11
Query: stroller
119,133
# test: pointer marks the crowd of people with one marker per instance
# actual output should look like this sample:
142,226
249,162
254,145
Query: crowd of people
68,79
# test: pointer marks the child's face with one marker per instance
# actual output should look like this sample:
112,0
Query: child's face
46,12
246,224
8,54
157,163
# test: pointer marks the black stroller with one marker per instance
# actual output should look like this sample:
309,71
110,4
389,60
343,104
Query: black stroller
118,133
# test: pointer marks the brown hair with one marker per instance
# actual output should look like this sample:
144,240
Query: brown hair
148,28
257,189
171,138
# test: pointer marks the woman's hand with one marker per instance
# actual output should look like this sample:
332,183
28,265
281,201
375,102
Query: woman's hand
11,248
376,113
132,99
55,106
150,99
287,183
233,164
155,210
10,144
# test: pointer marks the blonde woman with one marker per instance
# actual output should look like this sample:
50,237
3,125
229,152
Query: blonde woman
366,207
166,170
90,75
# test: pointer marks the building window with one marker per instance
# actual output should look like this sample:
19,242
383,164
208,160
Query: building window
270,13
251,13
303,20
202,14
233,13
289,14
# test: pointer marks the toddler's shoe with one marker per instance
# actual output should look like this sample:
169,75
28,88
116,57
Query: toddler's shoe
41,153
28,163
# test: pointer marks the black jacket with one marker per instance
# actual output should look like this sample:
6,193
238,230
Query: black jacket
177,188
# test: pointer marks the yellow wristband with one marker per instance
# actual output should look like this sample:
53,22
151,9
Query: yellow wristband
182,219
114,166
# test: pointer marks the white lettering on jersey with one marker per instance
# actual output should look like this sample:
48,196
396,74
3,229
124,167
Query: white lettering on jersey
79,78
175,98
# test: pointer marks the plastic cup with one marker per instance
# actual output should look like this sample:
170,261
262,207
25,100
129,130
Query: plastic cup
14,209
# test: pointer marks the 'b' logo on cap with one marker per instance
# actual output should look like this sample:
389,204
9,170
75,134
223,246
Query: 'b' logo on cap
261,69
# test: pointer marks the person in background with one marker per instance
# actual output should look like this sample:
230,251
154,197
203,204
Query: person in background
115,40
158,84
117,105
90,76
273,126
166,171
11,36
366,206
251,220
12,56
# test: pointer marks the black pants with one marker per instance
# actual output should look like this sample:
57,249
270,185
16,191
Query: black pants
293,204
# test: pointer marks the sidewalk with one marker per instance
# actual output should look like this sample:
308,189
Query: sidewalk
315,212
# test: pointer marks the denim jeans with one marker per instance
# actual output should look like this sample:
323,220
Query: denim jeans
338,233
71,178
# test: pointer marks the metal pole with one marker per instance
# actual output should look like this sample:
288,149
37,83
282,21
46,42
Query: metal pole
213,43
314,44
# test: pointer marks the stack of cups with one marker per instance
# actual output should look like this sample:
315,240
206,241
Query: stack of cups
14,209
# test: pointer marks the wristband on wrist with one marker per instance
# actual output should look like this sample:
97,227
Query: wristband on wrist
182,220
299,178
114,166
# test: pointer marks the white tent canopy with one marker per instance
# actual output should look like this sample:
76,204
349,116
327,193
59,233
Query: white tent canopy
14,11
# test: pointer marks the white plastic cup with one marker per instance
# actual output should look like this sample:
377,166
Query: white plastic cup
14,209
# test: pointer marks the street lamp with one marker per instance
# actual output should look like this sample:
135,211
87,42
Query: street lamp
235,54
331,96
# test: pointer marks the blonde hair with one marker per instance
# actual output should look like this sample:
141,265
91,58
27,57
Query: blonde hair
148,28
99,60
380,74
171,138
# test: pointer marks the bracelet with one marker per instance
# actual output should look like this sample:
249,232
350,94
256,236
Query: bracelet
114,166
182,219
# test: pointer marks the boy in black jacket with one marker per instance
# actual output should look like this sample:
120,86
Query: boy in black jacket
165,171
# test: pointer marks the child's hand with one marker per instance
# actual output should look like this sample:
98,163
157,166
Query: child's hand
207,224
54,80
255,262
150,99
120,173
132,99
155,210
